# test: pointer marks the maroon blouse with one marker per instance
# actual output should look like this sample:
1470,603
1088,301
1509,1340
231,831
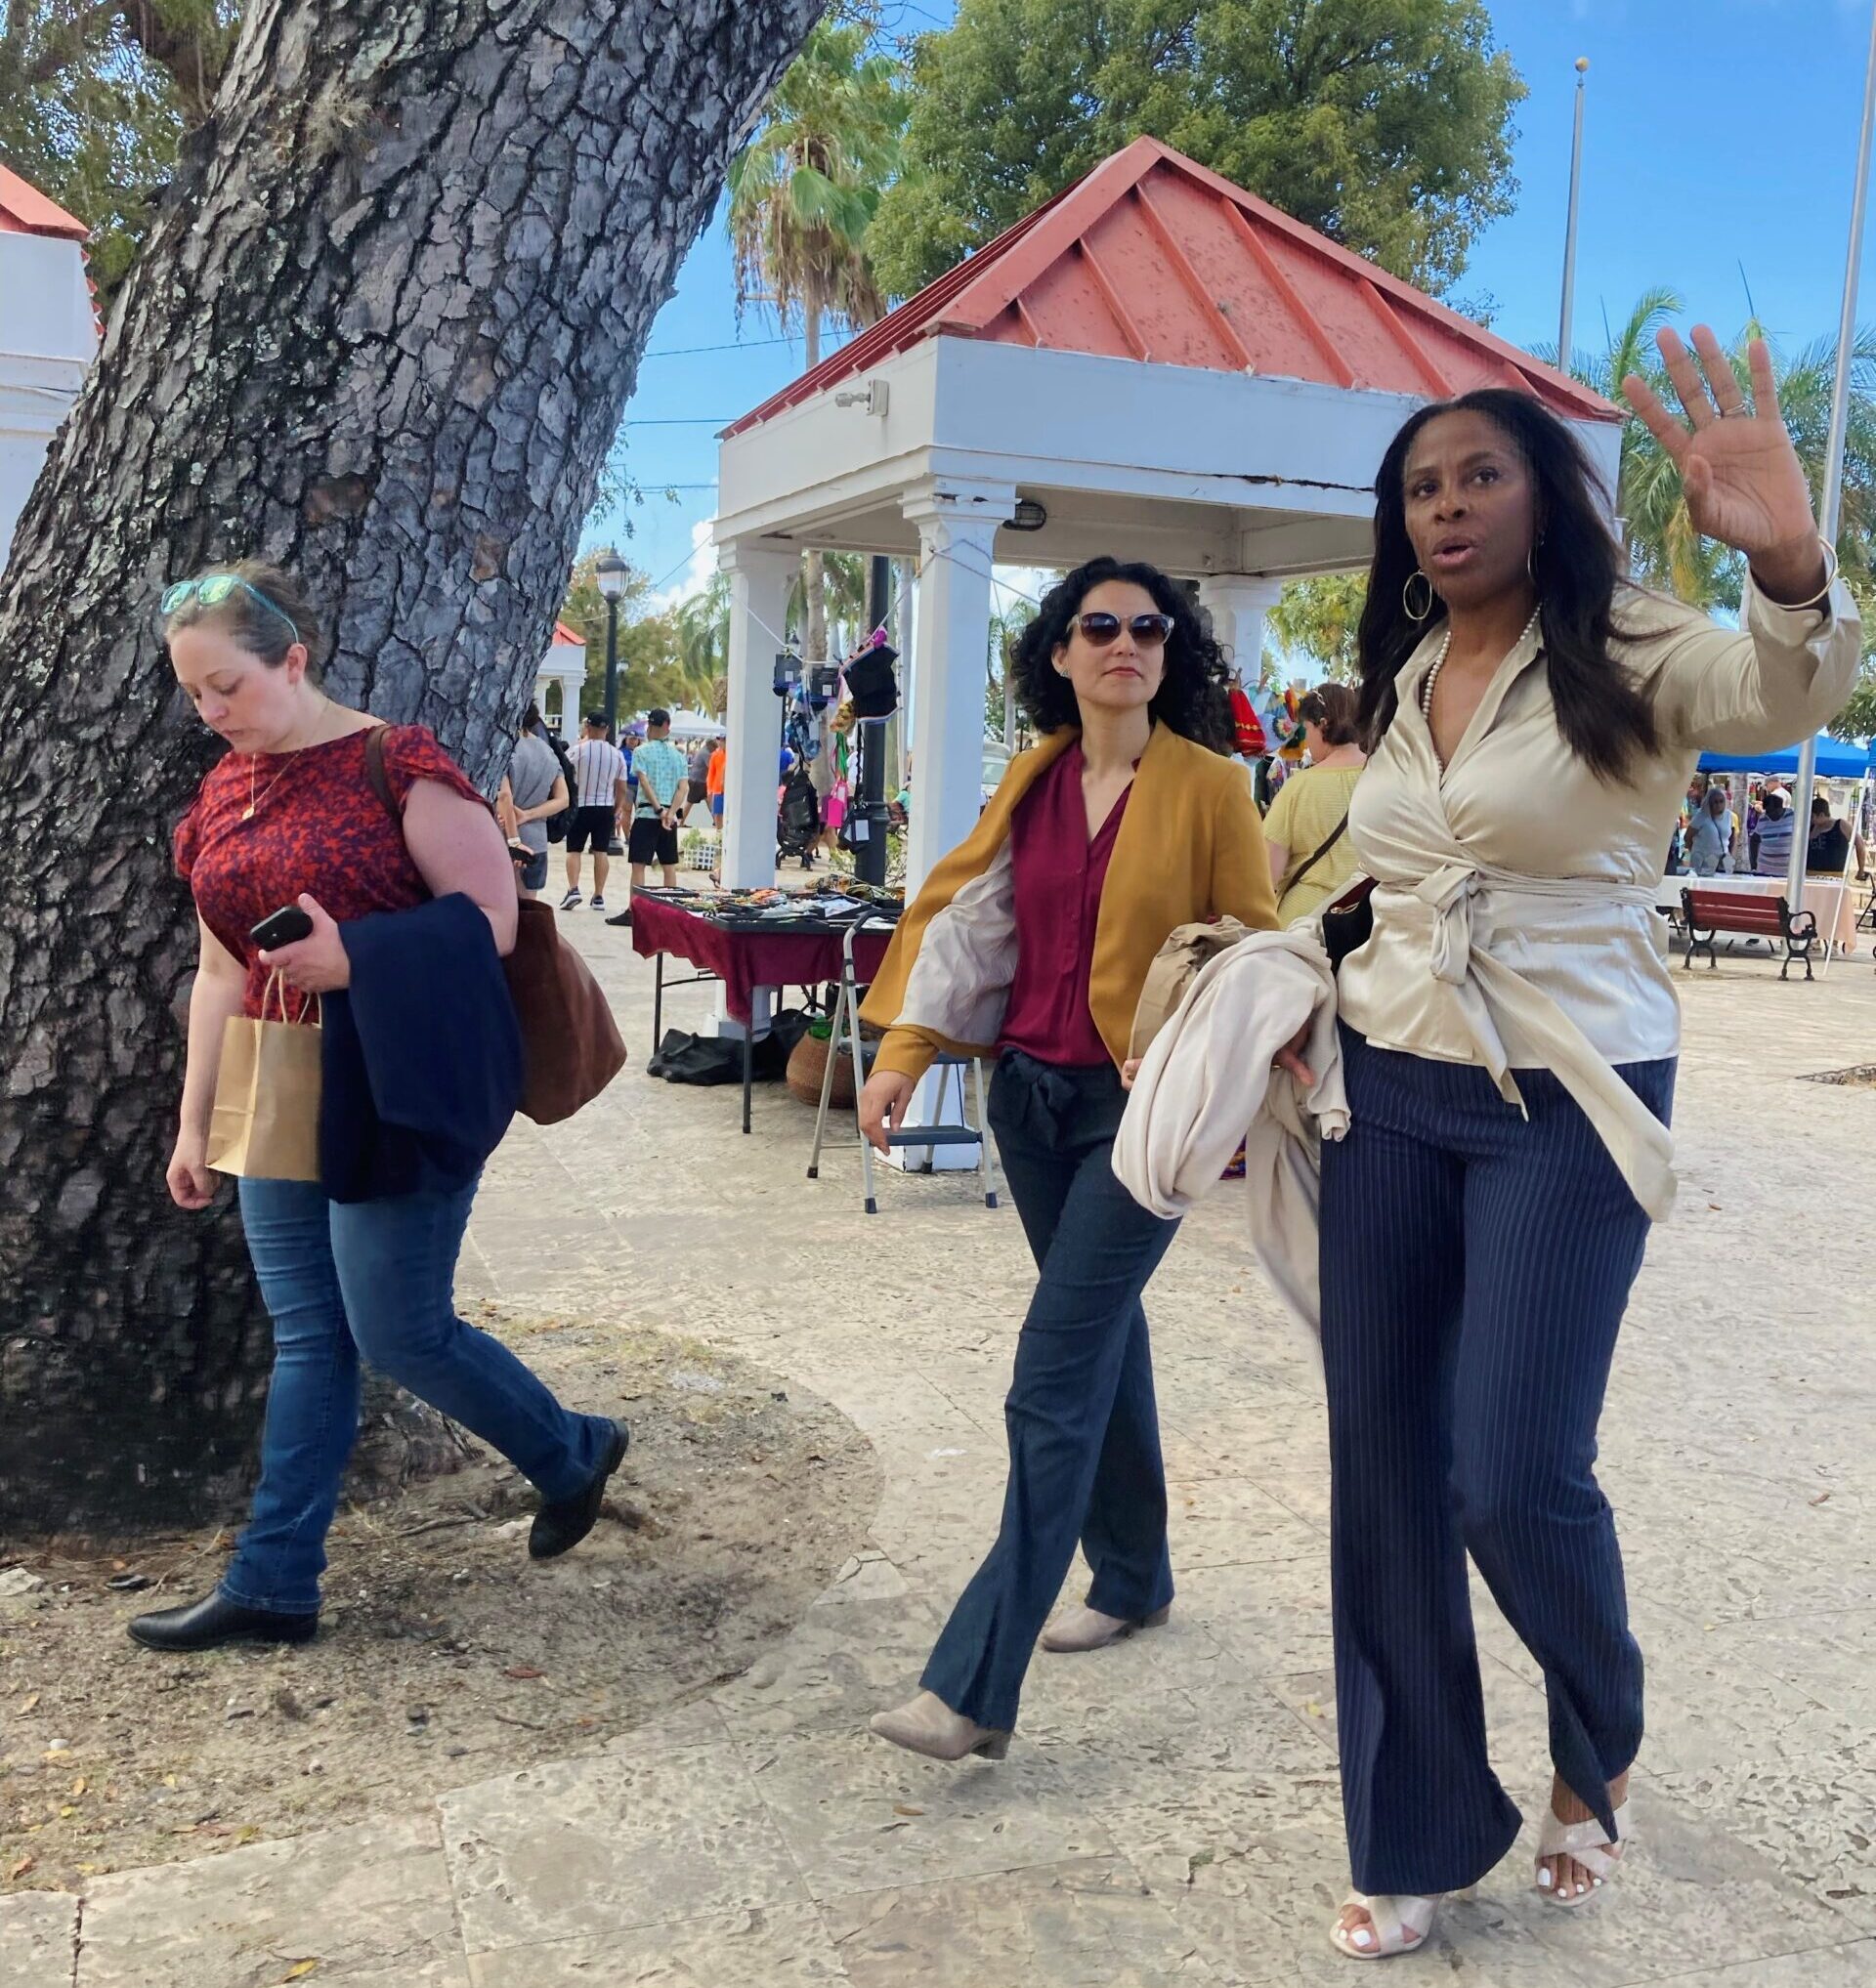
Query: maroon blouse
1059,874
317,826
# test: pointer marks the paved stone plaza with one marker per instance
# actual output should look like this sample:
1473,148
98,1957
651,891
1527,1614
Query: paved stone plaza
1169,1809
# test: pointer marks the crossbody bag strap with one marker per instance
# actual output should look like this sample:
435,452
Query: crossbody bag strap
380,780
1296,876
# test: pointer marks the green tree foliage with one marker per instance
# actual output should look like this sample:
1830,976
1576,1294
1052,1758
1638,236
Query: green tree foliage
803,195
1385,123
703,630
1317,618
95,98
650,669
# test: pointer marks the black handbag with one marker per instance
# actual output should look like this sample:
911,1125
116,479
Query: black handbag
1350,923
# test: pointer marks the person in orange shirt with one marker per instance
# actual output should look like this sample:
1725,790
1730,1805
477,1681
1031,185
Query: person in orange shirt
713,783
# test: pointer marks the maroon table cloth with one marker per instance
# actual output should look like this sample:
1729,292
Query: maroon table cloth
746,960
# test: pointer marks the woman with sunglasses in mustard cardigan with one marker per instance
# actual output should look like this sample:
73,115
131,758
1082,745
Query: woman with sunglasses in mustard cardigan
1033,938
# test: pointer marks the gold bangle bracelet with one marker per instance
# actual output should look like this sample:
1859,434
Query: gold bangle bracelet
1822,594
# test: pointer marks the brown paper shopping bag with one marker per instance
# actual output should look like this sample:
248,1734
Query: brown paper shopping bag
266,1121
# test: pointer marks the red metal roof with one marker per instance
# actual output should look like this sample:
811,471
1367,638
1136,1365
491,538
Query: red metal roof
1154,258
566,637
24,210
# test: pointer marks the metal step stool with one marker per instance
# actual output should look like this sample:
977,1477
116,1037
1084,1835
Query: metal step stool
846,1036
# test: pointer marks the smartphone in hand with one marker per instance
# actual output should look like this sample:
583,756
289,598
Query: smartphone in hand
282,928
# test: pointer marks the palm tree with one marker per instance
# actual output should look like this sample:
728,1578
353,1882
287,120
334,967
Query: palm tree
702,622
843,602
802,195
1664,549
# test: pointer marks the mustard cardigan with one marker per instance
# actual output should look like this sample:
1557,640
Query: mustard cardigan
1190,848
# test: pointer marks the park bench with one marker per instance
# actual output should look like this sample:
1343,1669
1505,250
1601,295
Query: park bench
1706,914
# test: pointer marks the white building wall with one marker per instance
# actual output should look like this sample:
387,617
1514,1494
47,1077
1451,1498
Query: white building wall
48,336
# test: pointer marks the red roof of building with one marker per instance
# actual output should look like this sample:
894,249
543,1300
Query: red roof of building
24,210
1152,257
565,636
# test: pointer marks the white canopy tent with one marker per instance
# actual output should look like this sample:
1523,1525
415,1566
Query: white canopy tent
1155,364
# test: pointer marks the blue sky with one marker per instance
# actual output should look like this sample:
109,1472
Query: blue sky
1717,133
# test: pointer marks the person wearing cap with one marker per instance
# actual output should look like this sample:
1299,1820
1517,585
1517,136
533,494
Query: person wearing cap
660,780
1771,839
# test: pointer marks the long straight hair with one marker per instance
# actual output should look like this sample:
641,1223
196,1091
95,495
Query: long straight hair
1605,716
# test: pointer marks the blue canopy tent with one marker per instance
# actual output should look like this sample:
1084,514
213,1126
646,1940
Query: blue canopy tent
1835,760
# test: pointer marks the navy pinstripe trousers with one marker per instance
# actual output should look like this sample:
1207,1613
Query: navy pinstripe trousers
1476,1265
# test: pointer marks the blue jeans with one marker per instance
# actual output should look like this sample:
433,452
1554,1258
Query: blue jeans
1084,1430
373,1279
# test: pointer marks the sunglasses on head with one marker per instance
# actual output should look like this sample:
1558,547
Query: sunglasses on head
212,589
1100,628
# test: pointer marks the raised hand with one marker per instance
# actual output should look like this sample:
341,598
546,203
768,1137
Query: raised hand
1741,476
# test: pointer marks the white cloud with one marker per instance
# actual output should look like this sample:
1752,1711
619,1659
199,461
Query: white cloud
695,576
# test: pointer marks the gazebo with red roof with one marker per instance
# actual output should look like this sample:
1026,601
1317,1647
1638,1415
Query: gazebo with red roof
563,672
1157,364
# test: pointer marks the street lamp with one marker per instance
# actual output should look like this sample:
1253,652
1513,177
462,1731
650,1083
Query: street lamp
609,571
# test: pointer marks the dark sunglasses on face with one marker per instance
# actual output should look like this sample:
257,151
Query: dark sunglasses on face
1100,629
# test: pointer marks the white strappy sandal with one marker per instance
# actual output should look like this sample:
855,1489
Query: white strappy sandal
1584,1842
1393,1919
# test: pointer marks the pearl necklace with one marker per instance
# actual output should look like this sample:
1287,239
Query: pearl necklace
1439,664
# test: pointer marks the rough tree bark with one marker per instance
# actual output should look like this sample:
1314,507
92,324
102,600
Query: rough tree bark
383,332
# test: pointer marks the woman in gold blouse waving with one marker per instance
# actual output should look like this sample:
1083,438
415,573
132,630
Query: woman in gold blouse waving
1509,1033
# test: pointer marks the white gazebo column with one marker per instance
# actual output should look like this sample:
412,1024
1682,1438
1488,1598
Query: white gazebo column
1238,604
958,525
761,578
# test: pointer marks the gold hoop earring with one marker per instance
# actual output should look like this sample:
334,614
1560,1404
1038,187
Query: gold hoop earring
1406,593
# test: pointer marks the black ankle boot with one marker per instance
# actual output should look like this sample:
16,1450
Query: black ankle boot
215,1619
563,1522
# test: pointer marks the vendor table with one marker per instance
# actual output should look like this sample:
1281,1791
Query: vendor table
1834,903
749,954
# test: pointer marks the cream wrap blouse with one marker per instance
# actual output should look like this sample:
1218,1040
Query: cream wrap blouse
1514,919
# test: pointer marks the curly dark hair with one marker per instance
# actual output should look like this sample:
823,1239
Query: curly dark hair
1193,698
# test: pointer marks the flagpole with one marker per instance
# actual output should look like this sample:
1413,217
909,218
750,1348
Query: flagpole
1832,507
1569,227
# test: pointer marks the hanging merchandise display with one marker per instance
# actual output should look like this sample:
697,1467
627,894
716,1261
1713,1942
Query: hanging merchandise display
870,678
1248,726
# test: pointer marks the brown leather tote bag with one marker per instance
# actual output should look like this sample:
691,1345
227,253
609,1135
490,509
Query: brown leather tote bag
571,1045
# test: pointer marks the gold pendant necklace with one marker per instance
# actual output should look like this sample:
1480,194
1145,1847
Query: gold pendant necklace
292,759
254,801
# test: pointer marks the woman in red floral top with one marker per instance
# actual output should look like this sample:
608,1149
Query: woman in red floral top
289,817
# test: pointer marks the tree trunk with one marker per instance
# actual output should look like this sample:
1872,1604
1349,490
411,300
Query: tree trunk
814,571
383,332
